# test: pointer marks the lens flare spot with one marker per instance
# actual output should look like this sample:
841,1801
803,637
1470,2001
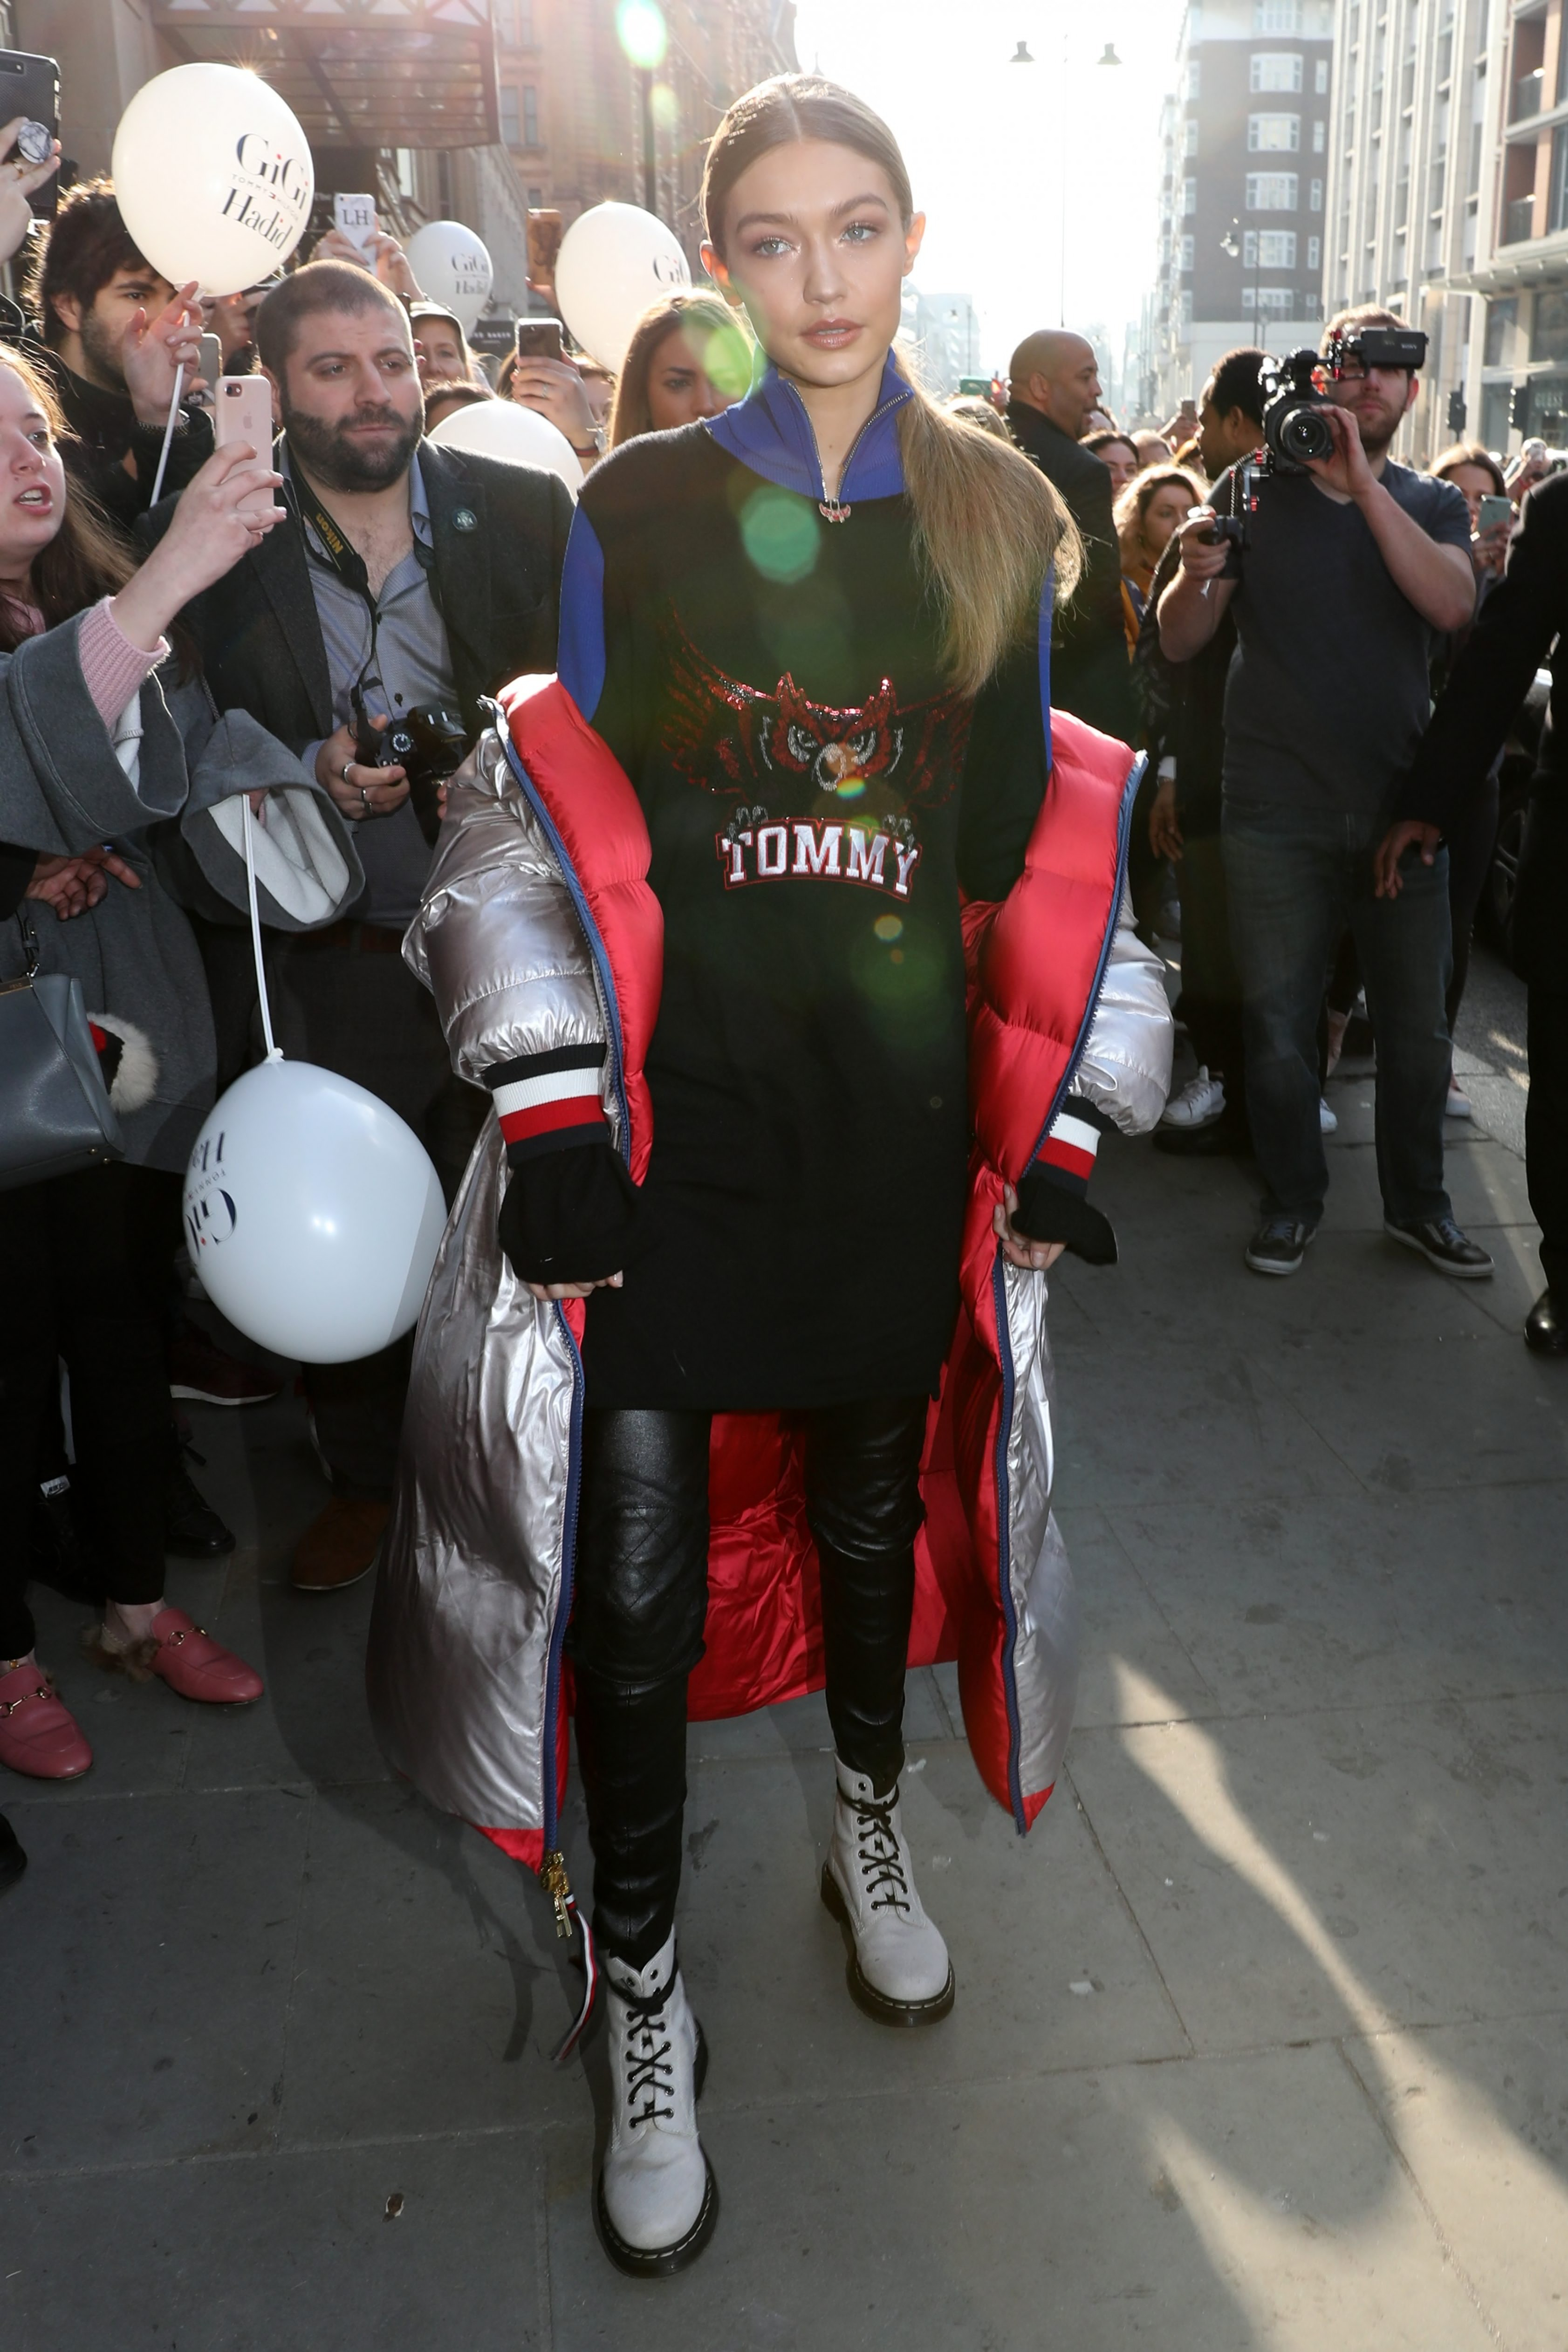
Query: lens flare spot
897,956
726,356
641,31
779,533
666,112
887,928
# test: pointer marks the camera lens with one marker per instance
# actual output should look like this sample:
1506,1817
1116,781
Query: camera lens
1304,435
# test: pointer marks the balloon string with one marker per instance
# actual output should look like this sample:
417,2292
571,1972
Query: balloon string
168,434
273,1054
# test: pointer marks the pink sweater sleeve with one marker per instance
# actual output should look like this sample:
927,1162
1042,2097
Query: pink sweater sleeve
112,665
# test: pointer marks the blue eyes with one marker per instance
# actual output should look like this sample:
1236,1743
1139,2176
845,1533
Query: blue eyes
767,249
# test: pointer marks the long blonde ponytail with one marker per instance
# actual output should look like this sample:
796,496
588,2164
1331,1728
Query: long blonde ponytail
988,526
987,523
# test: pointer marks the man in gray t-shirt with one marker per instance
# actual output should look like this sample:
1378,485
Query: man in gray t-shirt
1350,568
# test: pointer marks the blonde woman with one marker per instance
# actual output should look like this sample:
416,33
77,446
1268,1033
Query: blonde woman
704,920
1149,511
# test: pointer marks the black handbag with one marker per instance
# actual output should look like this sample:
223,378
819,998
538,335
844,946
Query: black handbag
54,1112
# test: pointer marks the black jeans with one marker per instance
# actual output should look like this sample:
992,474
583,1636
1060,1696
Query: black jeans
83,1269
640,1605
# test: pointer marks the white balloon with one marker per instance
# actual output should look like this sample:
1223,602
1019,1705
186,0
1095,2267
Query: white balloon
614,261
313,1213
212,176
503,429
452,267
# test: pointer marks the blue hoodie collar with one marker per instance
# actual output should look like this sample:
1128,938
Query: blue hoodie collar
769,432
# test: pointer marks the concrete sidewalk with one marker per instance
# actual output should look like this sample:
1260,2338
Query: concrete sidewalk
1259,2036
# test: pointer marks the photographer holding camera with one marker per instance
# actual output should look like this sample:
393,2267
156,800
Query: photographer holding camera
407,582
1349,563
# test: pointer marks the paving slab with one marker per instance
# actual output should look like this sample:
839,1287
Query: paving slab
1479,2114
1303,1876
1226,2205
284,2253
428,1985
1126,1623
1325,1602
148,1954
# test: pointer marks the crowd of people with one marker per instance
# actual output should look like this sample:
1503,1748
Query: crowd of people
818,652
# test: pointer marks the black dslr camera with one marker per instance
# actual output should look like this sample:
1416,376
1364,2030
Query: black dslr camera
1295,431
428,743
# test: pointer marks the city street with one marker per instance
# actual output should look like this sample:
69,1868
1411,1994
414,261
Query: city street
1259,2040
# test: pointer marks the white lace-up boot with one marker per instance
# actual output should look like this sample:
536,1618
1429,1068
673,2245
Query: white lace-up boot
657,2199
898,1969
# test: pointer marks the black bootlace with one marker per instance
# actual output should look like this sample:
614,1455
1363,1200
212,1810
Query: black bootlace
880,1866
652,2074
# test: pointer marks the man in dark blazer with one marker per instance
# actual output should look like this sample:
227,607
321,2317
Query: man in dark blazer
408,577
1524,613
1054,385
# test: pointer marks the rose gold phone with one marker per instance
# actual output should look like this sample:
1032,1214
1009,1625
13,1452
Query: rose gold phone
242,411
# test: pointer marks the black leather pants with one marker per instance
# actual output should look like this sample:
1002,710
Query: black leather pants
642,1598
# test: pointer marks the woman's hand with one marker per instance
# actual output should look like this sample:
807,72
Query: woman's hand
358,789
18,179
153,350
1164,833
1488,549
73,884
549,1291
1033,1257
208,535
557,391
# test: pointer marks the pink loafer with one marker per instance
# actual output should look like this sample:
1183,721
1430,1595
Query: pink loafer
38,1735
192,1664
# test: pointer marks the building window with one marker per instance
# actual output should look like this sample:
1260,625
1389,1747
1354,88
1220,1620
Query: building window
1321,77
1319,137
1315,201
1273,134
1276,249
511,122
1189,196
506,23
530,115
1190,137
1277,15
1549,328
1272,192
1189,252
1315,253
1185,311
1502,320
1194,79
1276,70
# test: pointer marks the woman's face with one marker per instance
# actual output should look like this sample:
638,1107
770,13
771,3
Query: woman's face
1476,484
32,478
815,248
1121,461
1165,513
679,389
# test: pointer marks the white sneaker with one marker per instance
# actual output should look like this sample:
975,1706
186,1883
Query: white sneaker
1199,1103
898,1969
1459,1103
657,2199
1327,1122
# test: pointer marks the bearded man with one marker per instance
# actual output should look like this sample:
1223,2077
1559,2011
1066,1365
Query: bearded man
407,578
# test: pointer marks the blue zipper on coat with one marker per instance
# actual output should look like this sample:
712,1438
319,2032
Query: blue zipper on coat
1003,1544
552,1870
876,416
1123,837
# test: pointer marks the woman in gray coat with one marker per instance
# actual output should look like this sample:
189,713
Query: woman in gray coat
116,780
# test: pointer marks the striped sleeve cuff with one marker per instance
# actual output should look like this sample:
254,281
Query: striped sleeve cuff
1066,1156
547,1101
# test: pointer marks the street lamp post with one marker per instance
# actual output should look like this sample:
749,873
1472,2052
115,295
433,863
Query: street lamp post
1021,57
